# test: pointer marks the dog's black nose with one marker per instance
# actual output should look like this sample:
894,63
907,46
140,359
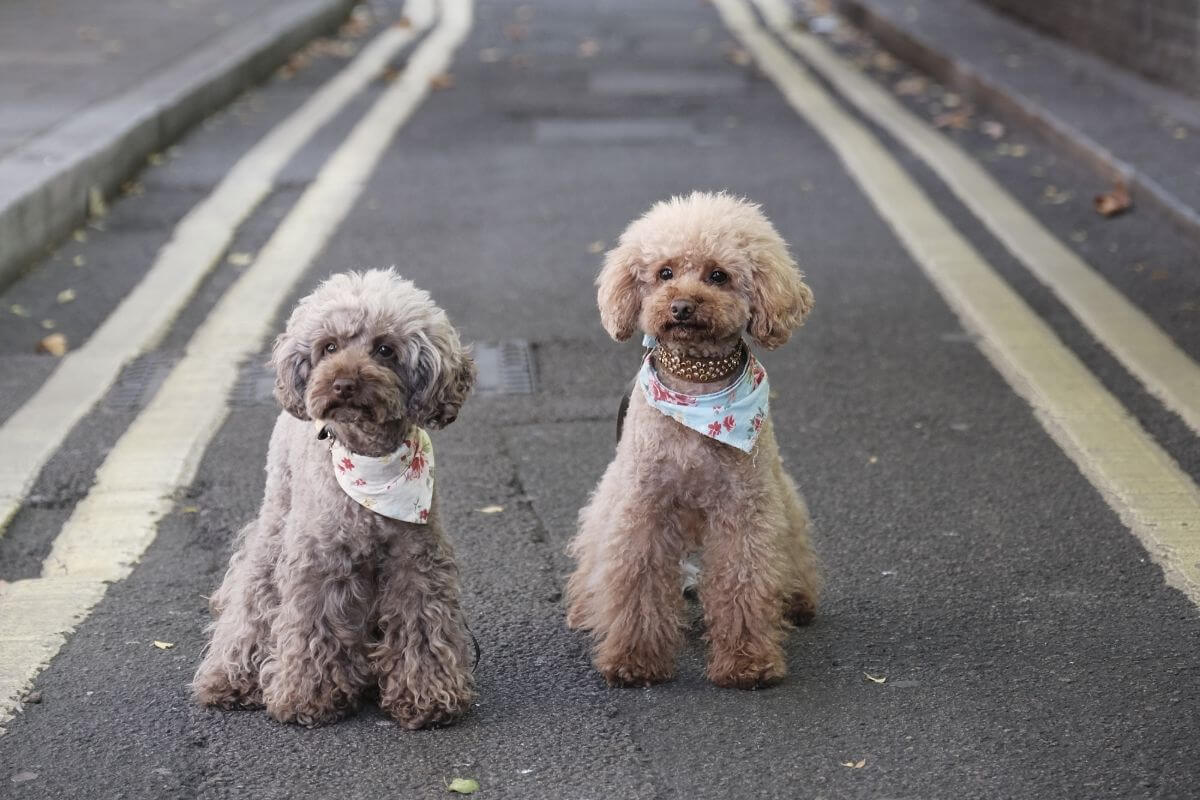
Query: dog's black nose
682,310
344,387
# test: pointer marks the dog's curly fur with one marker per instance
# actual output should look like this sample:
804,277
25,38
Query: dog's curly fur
671,490
325,600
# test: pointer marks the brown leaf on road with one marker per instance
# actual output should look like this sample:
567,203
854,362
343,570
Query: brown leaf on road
736,55
911,86
992,129
874,679
55,344
862,762
443,81
389,74
959,120
402,22
163,645
1114,201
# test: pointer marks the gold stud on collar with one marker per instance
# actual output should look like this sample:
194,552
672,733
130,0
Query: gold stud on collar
699,370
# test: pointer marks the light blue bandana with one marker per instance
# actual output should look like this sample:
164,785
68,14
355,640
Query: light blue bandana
733,416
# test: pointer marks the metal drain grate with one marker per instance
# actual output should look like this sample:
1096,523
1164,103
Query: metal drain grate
504,368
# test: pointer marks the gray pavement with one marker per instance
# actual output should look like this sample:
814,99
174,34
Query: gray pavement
91,90
1119,124
1030,645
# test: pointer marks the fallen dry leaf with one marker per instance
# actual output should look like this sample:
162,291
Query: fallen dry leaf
491,509
55,344
862,762
873,679
79,261
49,324
65,296
873,460
737,55
596,247
79,235
442,81
911,86
402,22
19,310
163,645
958,120
189,510
884,61
588,48
1054,196
96,205
1113,202
240,259
992,129
389,74
463,786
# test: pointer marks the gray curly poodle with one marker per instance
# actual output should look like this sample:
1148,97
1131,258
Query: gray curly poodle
325,599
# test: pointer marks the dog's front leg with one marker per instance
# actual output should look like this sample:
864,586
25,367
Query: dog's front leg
422,660
741,592
638,619
318,665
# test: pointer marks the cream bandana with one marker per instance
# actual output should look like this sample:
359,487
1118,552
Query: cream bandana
398,485
733,416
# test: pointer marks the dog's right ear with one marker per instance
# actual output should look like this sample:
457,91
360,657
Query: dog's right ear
617,292
291,362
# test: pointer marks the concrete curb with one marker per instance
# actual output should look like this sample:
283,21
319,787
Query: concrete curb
44,185
909,46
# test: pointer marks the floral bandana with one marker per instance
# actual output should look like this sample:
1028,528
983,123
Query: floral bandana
733,416
398,485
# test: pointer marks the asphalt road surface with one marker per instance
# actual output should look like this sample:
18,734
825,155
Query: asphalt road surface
1023,590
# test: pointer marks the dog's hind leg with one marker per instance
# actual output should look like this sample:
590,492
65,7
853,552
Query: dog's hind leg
802,577
422,659
242,606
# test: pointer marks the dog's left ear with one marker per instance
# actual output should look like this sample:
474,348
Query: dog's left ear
439,376
291,363
780,299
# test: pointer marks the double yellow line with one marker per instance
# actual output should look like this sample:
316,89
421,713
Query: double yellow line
112,526
1138,479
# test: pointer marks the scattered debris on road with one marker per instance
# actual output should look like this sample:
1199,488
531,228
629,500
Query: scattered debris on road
55,344
1113,202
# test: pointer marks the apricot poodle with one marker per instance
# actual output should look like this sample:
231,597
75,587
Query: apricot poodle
697,467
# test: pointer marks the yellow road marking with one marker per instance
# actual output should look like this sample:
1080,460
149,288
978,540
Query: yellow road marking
118,519
37,429
1128,333
1152,496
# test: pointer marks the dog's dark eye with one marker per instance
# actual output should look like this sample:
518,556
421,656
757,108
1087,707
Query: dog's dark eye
718,277
384,351
331,347
665,274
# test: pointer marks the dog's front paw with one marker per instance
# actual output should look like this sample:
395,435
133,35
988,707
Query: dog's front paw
414,714
634,673
747,673
311,712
